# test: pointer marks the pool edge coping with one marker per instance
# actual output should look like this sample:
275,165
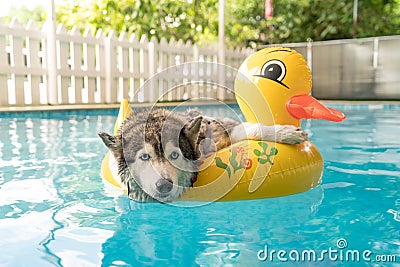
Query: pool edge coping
103,106
66,107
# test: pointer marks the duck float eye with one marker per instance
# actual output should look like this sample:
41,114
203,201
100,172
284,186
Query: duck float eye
274,70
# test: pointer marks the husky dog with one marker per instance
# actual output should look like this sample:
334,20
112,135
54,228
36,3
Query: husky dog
158,150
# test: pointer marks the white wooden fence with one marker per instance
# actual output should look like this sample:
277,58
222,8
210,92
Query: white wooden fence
105,68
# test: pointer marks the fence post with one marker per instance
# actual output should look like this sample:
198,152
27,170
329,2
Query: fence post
18,61
33,63
195,72
134,66
100,66
89,58
221,81
123,67
309,53
4,65
76,65
64,81
150,95
221,50
375,57
110,65
51,56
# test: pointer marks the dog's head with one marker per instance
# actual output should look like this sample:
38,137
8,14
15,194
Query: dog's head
156,154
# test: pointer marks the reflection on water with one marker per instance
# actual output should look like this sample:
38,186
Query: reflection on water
49,182
54,210
169,235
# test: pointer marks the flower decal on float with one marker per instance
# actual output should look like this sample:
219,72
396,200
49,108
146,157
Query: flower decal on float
239,160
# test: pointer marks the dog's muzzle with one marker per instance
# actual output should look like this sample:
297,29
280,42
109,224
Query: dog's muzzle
164,186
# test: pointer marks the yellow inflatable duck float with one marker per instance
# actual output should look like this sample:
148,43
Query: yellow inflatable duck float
272,87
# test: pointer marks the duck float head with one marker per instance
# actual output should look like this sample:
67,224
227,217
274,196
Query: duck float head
273,86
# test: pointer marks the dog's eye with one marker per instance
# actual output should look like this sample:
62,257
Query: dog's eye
174,155
144,156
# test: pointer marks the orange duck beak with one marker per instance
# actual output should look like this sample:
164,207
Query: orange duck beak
307,107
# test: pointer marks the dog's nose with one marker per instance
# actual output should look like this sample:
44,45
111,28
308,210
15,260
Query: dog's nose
164,185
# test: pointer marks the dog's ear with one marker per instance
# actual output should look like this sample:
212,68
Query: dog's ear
192,130
113,143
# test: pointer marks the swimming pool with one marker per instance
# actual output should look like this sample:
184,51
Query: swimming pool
56,211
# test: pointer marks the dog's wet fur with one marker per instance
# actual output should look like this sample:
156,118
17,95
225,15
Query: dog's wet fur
158,150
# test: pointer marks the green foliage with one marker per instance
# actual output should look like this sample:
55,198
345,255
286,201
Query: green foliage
25,14
197,20
379,17
165,18
296,21
245,22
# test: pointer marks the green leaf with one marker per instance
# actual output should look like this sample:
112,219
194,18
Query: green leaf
220,163
257,152
264,146
273,151
262,161
229,172
232,161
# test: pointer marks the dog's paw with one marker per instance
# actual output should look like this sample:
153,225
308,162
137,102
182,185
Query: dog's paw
288,134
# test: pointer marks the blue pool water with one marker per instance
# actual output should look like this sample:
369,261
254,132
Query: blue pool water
56,211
